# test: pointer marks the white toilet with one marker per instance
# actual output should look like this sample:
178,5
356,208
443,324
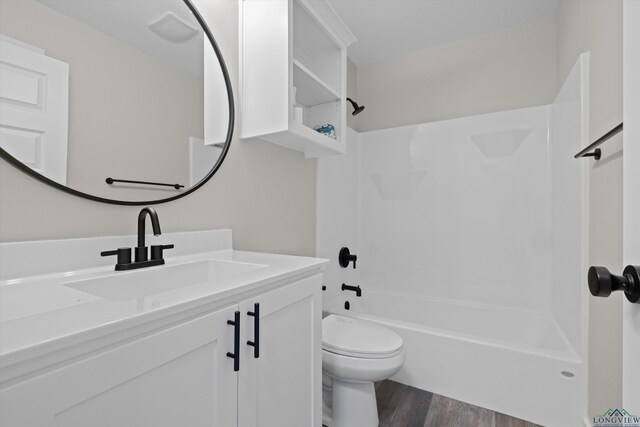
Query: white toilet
355,353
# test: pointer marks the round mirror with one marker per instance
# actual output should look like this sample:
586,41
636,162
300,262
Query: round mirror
119,101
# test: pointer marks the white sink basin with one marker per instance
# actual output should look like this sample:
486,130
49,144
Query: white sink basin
123,286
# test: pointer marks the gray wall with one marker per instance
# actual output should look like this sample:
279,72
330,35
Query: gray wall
502,70
265,193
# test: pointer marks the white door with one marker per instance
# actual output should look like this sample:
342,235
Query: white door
631,200
34,108
180,376
280,385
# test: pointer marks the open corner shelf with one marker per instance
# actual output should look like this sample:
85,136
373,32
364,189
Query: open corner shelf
302,138
311,90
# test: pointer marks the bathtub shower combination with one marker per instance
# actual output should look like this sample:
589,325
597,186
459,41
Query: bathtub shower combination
470,235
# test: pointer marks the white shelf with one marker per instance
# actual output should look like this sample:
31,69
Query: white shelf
302,138
311,90
313,46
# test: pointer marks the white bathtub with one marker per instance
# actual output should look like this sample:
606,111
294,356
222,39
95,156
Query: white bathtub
512,362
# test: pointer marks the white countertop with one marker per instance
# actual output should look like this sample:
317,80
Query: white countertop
43,310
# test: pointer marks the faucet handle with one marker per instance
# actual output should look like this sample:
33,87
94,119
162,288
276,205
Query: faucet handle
141,253
156,250
124,255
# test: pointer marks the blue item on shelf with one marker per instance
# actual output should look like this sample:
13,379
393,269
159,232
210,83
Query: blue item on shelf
328,130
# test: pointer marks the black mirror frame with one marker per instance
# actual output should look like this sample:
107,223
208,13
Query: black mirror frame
26,169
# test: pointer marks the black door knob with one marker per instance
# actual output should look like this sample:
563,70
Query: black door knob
602,282
599,281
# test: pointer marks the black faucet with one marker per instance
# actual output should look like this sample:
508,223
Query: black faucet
141,249
141,254
356,289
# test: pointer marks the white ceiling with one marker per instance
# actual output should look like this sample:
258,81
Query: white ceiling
387,29
129,21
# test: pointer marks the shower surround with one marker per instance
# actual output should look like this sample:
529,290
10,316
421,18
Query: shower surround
471,236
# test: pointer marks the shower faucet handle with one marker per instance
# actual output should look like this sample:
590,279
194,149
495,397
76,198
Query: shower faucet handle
345,257
602,282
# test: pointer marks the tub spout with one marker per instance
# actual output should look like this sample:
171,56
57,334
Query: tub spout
355,289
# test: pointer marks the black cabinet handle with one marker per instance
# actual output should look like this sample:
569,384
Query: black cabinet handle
236,341
602,282
256,330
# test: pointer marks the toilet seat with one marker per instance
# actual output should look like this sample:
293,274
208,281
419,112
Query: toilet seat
351,337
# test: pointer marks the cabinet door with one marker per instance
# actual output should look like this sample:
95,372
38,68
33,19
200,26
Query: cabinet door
179,376
282,387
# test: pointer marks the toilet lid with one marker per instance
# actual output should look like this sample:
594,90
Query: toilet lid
359,338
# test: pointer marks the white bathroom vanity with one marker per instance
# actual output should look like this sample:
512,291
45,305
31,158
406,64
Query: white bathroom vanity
215,337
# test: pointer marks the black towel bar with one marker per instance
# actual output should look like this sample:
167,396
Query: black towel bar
112,180
597,153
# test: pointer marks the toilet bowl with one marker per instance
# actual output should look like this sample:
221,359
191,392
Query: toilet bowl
355,353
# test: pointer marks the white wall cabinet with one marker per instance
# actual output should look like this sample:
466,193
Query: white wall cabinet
181,375
293,68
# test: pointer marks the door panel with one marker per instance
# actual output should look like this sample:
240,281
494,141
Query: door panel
287,373
179,376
